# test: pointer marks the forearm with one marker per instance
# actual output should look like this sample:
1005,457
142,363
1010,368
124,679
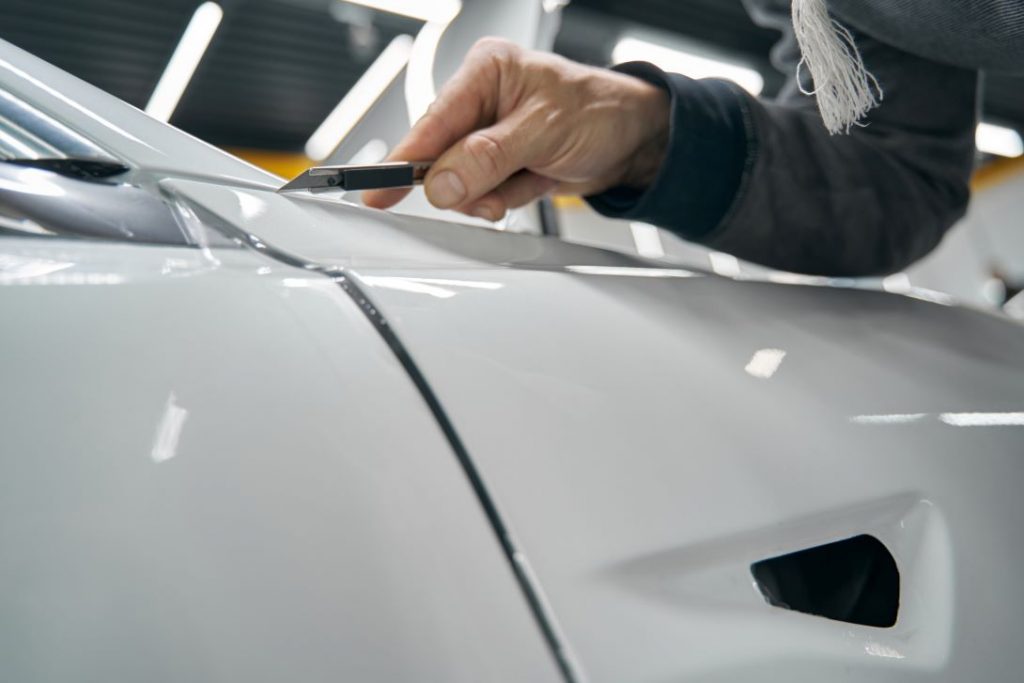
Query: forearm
766,182
705,160
868,203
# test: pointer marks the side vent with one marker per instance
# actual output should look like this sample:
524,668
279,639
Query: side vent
854,580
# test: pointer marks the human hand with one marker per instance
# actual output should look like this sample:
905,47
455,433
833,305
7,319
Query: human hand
513,124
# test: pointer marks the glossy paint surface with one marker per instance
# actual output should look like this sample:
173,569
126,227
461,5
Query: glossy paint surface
647,433
213,469
650,453
650,432
117,127
41,202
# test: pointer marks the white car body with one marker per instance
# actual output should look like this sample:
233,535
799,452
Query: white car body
352,445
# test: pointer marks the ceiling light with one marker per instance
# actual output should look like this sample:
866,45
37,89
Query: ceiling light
374,151
358,100
419,77
686,63
425,10
993,139
190,50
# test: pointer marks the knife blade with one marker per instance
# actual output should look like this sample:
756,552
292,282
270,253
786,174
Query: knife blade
359,176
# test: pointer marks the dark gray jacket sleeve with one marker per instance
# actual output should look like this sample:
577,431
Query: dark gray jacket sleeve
766,182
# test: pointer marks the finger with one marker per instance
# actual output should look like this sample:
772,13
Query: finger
467,101
519,190
581,189
427,140
486,158
383,199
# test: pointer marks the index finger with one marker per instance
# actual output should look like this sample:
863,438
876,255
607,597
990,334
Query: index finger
468,101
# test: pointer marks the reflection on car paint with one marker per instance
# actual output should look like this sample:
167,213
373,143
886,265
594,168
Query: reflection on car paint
532,591
969,419
895,418
880,650
68,101
629,271
16,270
15,267
435,287
168,431
764,363
32,181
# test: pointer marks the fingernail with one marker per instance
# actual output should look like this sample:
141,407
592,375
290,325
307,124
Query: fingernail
485,212
446,189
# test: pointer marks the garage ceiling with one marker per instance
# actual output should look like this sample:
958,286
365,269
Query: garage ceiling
276,68
272,73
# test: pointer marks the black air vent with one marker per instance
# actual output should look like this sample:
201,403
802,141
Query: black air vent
855,580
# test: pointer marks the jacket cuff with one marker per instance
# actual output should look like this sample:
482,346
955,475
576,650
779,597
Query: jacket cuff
704,163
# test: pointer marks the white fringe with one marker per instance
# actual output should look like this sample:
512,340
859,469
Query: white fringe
844,88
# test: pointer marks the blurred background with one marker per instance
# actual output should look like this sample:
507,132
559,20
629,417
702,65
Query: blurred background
287,84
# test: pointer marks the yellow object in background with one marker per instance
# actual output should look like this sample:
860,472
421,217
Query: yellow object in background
290,164
285,164
996,171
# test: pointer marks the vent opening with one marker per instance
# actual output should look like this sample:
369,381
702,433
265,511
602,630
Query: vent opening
854,580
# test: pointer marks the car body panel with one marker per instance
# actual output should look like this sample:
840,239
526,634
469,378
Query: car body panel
645,462
649,432
646,432
332,232
214,469
117,127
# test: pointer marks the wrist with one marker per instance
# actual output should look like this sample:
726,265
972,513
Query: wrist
651,116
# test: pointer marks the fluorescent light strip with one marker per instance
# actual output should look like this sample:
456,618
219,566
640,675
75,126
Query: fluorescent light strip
419,77
998,140
186,57
441,11
360,98
686,63
372,152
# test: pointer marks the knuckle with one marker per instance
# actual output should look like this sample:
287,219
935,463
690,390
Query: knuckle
552,116
493,45
433,120
497,53
489,153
